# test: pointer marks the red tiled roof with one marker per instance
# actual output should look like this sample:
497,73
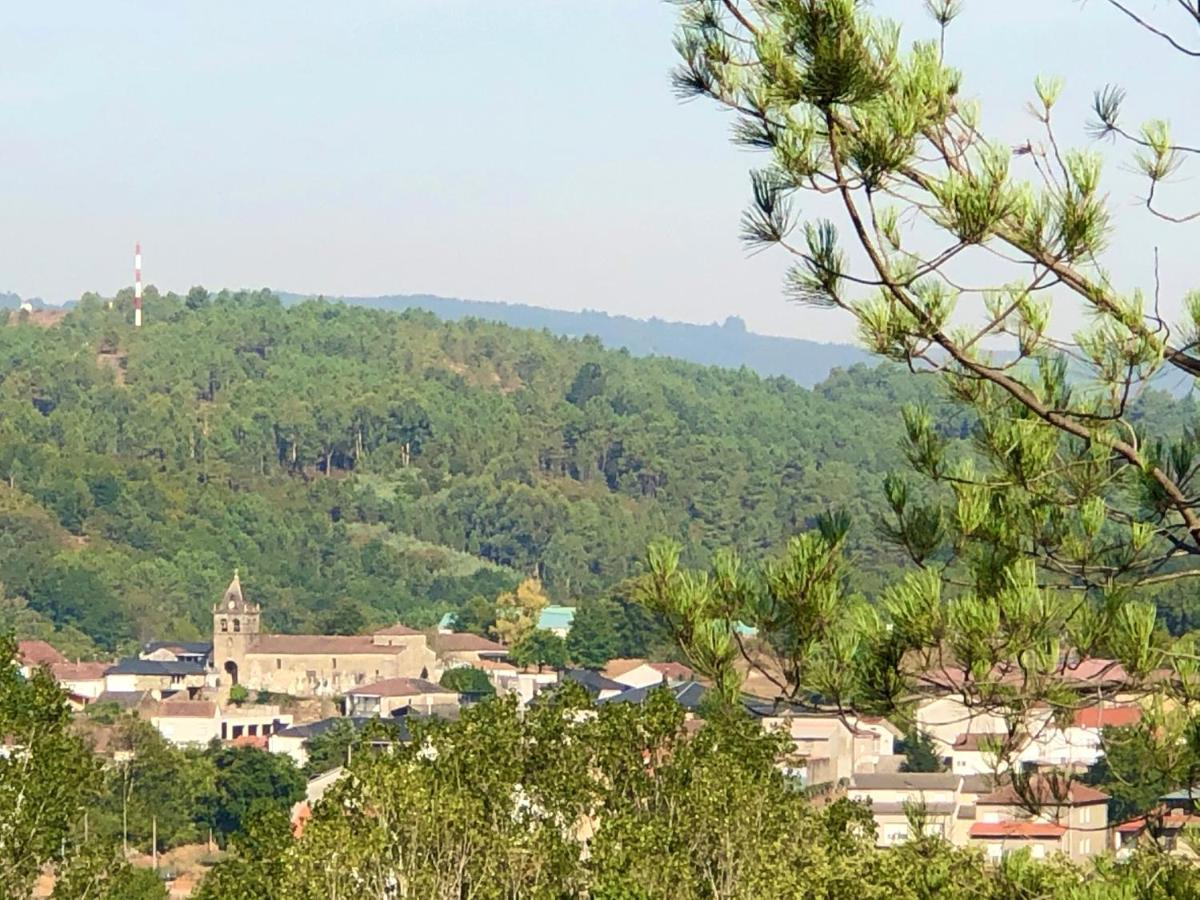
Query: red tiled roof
400,687
1133,826
1034,830
37,653
1107,717
396,629
1045,793
83,671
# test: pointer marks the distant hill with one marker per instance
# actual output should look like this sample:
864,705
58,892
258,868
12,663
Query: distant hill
728,345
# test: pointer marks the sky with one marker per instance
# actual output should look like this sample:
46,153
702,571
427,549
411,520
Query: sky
529,151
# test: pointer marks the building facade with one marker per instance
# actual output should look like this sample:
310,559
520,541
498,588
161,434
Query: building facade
310,665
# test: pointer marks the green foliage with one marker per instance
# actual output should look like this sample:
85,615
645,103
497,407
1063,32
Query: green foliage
620,801
157,786
540,648
920,753
467,680
594,637
1047,538
238,694
367,468
245,776
477,616
47,776
329,749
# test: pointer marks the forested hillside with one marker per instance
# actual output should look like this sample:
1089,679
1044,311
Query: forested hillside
362,466
728,344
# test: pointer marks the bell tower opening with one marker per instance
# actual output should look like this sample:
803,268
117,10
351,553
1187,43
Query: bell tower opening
231,670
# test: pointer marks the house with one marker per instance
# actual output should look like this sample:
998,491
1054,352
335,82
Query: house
639,673
688,694
161,676
597,686
258,720
526,684
1044,745
390,696
828,747
1049,815
199,652
34,654
892,796
1169,823
1079,745
456,648
557,619
187,722
293,740
979,753
945,717
80,679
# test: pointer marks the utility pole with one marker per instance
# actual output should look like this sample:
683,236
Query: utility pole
154,839
125,813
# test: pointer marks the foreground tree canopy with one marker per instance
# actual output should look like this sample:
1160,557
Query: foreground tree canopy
49,780
1036,544
619,801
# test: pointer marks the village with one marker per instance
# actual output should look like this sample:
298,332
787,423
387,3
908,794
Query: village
275,693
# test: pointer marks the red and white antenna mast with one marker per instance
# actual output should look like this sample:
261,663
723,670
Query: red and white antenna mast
137,285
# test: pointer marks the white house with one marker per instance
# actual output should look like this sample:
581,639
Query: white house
187,722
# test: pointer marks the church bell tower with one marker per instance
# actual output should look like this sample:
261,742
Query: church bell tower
235,628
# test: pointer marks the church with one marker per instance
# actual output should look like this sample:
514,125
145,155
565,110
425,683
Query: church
311,665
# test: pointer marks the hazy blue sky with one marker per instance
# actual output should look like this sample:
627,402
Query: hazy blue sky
522,151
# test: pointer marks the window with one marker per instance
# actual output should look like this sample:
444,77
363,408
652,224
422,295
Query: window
335,662
224,624
278,663
1085,815
995,852
1085,846
1038,851
237,624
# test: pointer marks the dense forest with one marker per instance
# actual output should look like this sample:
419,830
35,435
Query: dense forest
362,466
728,344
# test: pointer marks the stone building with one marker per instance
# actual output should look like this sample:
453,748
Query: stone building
310,665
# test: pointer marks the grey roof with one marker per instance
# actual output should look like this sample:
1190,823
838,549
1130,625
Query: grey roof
687,694
311,729
906,781
593,682
979,784
135,666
